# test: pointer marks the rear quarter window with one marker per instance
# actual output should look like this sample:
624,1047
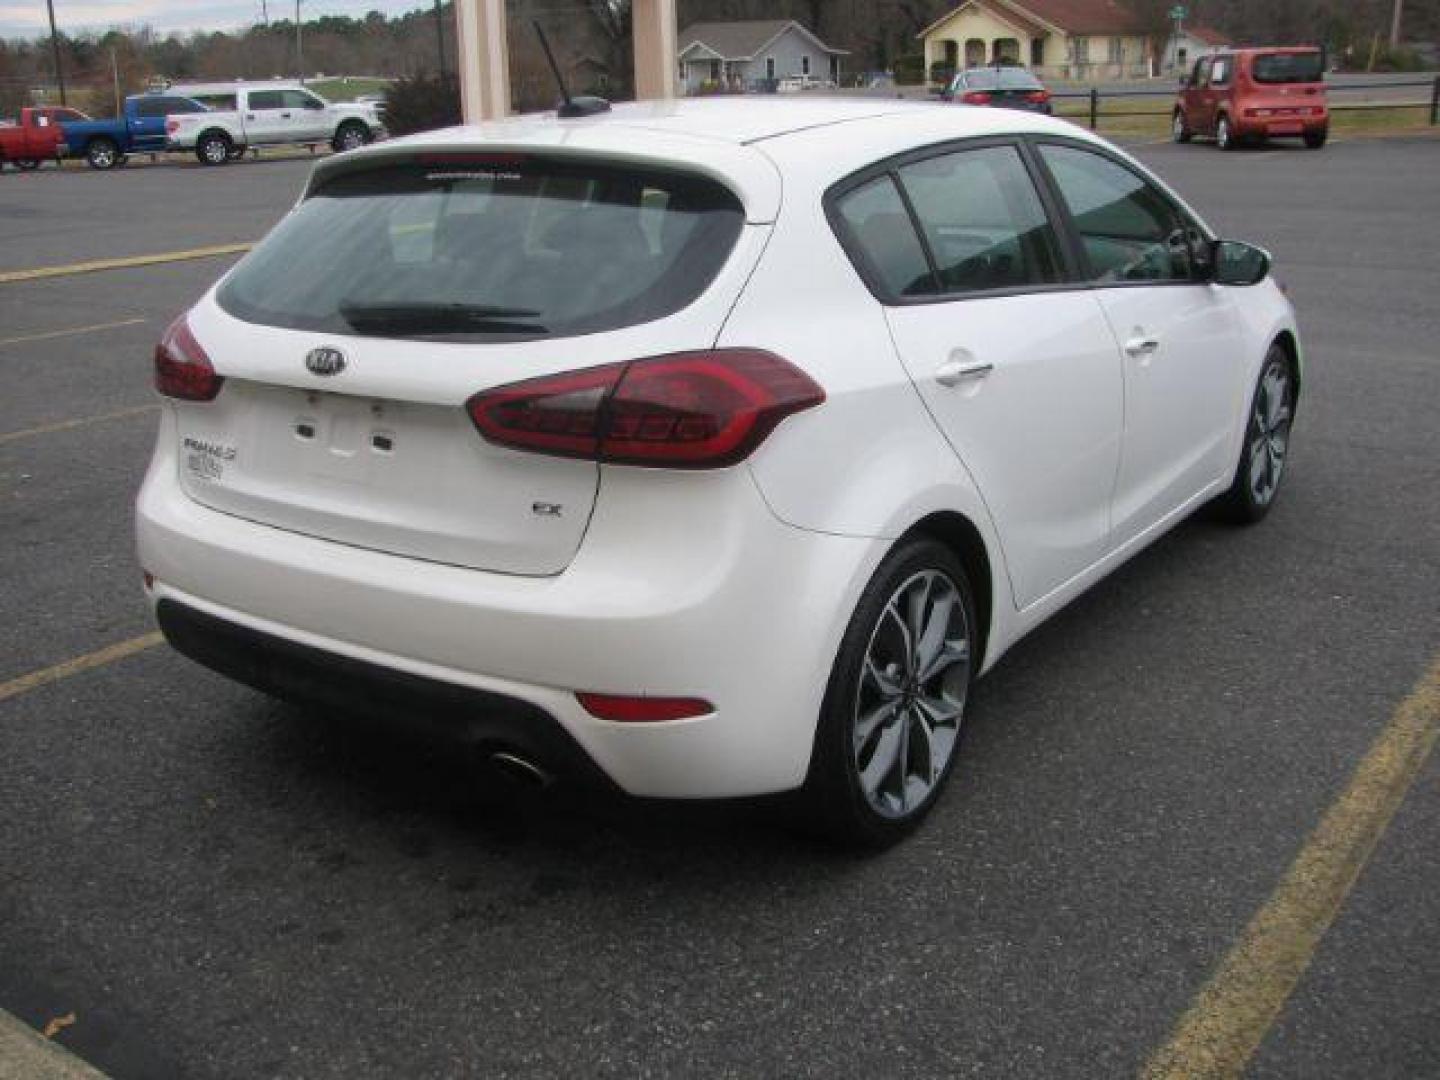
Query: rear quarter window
518,249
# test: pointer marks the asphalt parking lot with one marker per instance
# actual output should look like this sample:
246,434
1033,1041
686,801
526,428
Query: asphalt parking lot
215,885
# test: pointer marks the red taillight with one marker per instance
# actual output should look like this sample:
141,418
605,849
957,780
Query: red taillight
627,709
172,126
975,97
182,370
697,410
1038,97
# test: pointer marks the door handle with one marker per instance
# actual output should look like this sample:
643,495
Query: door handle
1142,346
285,116
955,372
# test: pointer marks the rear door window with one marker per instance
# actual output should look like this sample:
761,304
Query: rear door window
505,248
982,220
265,99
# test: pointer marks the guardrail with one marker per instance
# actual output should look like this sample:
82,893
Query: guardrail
1095,96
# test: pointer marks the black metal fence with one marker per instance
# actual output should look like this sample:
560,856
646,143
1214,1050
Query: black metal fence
1095,96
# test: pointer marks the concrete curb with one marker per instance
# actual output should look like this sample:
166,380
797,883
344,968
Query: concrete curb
25,1054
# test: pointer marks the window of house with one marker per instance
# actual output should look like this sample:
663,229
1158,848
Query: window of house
1082,50
1117,50
805,65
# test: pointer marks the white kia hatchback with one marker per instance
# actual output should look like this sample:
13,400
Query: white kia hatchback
714,447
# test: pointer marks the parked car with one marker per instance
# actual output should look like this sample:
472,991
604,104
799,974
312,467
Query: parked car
794,84
272,115
36,136
1004,87
140,128
712,453
1244,94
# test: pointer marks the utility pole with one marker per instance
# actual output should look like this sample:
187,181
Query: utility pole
115,71
1395,18
55,45
440,38
265,12
299,45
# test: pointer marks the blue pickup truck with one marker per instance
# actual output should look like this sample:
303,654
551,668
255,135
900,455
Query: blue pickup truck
141,130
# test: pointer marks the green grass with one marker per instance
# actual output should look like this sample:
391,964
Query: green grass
347,88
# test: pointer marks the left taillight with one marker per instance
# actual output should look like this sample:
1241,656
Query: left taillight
182,370
975,97
699,410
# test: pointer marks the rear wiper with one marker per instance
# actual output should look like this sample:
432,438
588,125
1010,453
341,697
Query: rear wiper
431,318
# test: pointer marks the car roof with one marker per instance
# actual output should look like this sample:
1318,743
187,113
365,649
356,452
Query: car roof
735,139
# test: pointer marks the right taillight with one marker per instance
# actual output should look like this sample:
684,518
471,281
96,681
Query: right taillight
1038,97
700,410
182,370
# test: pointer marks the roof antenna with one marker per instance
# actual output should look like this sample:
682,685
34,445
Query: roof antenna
584,105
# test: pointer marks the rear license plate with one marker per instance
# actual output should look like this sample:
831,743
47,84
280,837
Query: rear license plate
1286,129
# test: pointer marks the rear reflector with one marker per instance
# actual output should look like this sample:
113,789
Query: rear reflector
700,410
642,710
182,370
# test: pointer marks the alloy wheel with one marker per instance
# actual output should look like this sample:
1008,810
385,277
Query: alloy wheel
911,695
1270,431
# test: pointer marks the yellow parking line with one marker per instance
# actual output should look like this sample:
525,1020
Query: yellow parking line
66,425
49,334
9,276
1227,1021
107,655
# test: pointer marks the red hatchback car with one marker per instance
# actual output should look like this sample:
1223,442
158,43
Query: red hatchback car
1247,94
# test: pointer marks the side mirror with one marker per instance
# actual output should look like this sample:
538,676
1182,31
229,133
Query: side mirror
1237,263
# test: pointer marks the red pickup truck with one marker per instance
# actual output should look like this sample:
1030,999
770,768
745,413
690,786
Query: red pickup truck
36,137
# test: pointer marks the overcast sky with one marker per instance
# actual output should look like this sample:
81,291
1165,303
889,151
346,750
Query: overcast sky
24,18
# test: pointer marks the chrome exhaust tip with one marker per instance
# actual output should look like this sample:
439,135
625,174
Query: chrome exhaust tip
521,769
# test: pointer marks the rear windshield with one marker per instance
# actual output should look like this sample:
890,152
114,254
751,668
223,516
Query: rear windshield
500,247
1003,79
1304,67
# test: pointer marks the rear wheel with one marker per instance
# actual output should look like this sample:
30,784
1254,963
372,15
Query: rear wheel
1267,442
891,720
102,153
213,148
27,164
1316,139
1179,130
351,135
1224,136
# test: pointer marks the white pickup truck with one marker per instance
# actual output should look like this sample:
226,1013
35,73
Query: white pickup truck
273,116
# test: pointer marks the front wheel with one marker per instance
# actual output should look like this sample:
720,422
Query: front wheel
891,719
1267,442
102,154
213,148
351,136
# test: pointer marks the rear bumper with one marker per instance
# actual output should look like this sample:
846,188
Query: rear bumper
686,585
1281,126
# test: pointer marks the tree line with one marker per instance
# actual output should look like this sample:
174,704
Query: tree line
592,40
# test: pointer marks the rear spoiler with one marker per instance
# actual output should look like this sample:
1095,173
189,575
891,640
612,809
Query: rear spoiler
751,175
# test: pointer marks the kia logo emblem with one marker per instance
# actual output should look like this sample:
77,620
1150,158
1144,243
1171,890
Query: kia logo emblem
325,361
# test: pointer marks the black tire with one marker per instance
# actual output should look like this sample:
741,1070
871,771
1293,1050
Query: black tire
26,164
1179,130
1224,136
236,153
1250,497
213,148
1314,140
102,153
834,799
351,135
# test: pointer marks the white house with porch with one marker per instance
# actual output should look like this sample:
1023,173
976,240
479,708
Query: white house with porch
1056,39
746,56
